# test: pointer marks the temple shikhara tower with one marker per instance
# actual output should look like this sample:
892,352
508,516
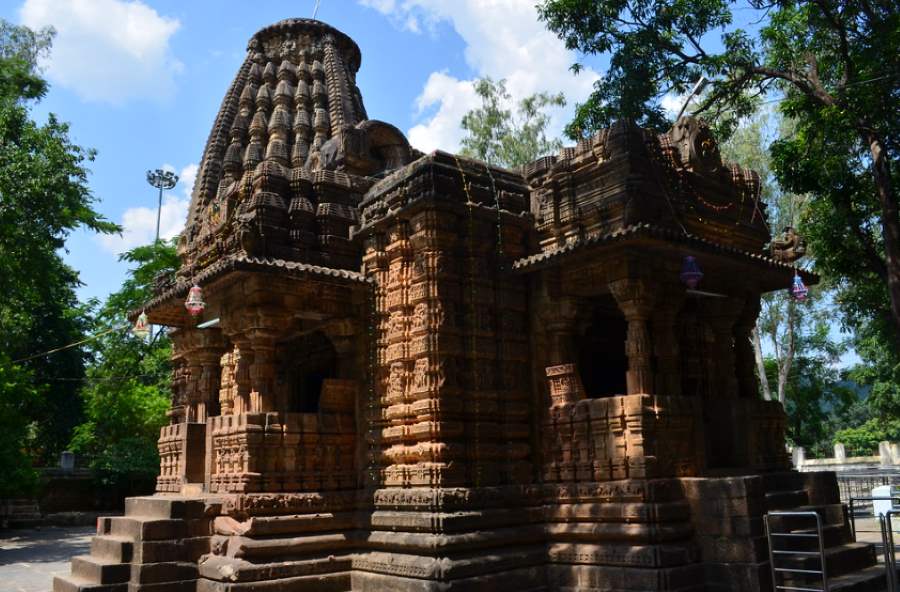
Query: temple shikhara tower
419,372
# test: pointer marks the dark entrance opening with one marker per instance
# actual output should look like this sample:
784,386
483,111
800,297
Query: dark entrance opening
600,349
308,360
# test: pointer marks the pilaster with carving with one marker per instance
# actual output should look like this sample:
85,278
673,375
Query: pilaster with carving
635,299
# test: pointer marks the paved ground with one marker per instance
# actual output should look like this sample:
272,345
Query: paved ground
29,558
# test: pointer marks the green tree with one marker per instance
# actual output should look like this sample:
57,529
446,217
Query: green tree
126,390
863,439
836,65
44,195
497,136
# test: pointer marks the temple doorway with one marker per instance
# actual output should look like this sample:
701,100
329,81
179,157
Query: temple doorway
307,360
600,349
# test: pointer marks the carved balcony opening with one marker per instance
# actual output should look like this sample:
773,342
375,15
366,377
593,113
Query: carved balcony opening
600,348
307,361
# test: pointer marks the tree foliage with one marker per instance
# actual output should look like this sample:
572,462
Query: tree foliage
126,390
498,136
797,356
863,439
44,196
834,66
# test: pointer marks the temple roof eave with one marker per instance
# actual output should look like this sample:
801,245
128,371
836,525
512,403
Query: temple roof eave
173,295
659,234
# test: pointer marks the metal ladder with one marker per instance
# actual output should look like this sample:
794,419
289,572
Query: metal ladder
778,551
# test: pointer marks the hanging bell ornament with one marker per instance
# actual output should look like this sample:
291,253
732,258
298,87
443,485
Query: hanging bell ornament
799,289
194,303
690,272
141,327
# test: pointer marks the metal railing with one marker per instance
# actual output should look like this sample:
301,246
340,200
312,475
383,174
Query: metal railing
890,553
863,503
780,552
859,485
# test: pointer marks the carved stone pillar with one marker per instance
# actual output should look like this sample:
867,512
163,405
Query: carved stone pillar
559,323
226,383
243,357
207,404
635,300
748,387
262,371
194,370
722,315
666,345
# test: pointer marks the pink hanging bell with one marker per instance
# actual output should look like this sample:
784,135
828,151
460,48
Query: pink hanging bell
799,289
141,326
690,272
194,303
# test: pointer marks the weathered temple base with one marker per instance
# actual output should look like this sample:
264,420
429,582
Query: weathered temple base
635,535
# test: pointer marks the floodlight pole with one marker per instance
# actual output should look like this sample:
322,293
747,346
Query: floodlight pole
698,88
162,180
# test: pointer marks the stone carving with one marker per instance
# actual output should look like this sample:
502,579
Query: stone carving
565,384
788,246
696,145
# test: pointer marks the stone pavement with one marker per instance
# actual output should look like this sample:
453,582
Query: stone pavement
29,558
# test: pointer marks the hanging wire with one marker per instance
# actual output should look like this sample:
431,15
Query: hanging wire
71,345
98,379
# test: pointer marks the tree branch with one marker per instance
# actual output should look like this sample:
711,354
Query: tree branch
832,19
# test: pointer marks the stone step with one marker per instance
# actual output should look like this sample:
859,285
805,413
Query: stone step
115,549
786,500
870,579
831,514
141,528
782,481
260,550
77,584
101,571
832,535
181,586
229,569
840,560
159,506
156,573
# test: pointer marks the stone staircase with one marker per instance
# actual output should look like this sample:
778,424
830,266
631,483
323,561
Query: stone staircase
20,513
851,566
154,547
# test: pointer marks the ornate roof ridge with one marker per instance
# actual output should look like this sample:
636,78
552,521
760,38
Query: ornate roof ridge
288,24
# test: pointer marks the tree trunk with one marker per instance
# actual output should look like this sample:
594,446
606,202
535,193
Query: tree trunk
787,358
890,222
760,365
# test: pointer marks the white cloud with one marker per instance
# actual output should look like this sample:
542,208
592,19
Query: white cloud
139,224
107,50
672,103
452,99
504,39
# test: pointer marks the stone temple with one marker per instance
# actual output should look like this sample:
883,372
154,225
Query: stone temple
417,372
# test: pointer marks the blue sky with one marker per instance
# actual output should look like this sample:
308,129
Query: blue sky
142,81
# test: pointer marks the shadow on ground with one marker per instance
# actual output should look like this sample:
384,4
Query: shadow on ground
30,558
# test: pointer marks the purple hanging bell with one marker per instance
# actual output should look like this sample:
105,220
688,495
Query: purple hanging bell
690,272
